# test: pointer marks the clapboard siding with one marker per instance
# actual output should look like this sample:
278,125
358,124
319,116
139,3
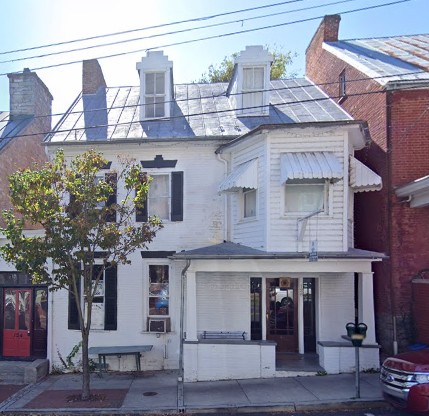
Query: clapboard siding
326,229
222,301
250,232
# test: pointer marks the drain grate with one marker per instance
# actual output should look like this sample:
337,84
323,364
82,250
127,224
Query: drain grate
150,393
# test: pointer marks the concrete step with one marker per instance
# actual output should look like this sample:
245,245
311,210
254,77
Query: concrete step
23,372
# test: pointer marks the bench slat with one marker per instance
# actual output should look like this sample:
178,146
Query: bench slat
224,335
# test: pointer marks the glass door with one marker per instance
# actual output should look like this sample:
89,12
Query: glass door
17,323
282,311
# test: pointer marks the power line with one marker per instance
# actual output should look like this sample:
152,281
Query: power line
174,32
218,36
195,19
310,85
203,113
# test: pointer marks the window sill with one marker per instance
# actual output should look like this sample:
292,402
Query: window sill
247,220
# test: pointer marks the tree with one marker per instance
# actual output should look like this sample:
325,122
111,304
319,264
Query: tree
223,71
83,226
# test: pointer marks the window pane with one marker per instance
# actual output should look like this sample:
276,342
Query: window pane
9,309
149,107
258,78
250,204
159,196
158,290
304,198
150,83
160,85
159,107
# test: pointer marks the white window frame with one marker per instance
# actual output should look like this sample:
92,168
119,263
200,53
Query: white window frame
342,85
253,96
148,289
158,97
327,198
245,192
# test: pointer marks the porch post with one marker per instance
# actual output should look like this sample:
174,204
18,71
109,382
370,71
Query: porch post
191,306
366,305
301,315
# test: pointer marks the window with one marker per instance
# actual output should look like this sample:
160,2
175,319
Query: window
253,84
159,295
165,198
305,197
342,85
154,94
104,308
249,203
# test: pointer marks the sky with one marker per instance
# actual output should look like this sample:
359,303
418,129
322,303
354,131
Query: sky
27,24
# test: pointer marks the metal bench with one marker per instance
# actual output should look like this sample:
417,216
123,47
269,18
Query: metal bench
135,350
223,335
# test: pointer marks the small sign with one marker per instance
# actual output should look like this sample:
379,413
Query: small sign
313,251
284,282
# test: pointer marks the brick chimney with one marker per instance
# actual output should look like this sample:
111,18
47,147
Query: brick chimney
92,77
94,100
326,32
29,96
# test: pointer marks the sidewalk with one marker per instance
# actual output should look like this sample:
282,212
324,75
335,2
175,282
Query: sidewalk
137,393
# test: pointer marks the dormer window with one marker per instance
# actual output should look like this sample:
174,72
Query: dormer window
248,89
156,85
154,106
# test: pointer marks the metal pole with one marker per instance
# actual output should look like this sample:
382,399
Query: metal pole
357,381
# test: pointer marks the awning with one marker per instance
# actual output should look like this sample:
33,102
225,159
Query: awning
244,176
362,178
416,192
310,165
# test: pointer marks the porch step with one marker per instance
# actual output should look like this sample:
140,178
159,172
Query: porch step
23,372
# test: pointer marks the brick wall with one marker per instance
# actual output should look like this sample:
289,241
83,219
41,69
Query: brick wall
399,127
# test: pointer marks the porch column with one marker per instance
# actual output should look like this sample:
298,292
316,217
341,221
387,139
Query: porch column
300,315
366,305
191,306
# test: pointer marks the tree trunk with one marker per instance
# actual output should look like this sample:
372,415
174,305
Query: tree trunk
85,366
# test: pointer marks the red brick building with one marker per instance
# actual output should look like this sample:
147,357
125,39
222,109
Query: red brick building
386,82
23,128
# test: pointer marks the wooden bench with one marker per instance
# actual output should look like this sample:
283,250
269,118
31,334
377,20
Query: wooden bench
102,352
223,335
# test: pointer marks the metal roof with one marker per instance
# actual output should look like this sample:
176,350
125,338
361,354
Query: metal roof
198,111
362,178
11,128
243,176
388,59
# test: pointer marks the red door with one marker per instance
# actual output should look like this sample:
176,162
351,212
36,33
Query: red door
17,323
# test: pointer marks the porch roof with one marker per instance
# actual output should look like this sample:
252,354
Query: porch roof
231,251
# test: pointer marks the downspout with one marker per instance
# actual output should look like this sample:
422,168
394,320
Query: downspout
180,397
389,215
225,208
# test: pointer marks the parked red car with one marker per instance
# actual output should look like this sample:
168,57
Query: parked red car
404,381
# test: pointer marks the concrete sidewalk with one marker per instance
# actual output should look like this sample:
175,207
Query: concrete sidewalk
158,391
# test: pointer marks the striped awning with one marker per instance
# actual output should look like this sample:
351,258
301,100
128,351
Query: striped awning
244,176
362,178
310,165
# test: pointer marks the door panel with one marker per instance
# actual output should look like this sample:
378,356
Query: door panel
17,323
309,295
39,334
282,314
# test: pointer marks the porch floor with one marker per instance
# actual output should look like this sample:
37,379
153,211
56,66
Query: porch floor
287,361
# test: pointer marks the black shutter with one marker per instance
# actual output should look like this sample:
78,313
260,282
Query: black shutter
110,298
111,178
177,196
73,320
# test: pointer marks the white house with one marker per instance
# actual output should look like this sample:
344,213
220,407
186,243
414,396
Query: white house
254,181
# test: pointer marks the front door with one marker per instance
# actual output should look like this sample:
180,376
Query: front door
282,313
17,322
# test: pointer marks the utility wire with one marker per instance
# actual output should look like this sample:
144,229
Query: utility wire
195,19
198,114
218,36
310,85
173,32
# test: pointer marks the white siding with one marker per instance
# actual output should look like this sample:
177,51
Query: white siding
336,306
223,302
326,229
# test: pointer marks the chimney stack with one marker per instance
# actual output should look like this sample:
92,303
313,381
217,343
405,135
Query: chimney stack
29,96
92,77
